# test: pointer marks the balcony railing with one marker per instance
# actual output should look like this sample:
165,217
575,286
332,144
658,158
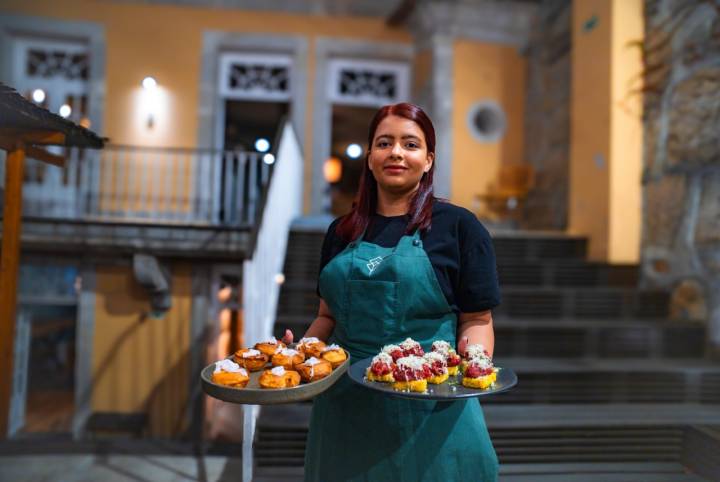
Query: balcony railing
147,185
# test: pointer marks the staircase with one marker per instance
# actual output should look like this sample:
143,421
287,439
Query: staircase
609,389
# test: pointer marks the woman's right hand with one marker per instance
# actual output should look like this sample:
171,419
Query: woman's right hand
288,337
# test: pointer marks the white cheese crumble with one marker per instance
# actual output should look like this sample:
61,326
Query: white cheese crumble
434,356
483,363
311,361
272,341
382,358
250,353
413,362
476,351
289,352
409,343
442,346
390,348
278,371
229,366
309,340
331,347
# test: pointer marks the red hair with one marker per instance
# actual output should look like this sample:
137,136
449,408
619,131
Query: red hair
365,203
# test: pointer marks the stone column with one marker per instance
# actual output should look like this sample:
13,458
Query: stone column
681,177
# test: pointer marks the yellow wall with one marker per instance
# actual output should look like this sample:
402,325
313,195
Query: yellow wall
166,42
141,364
485,71
606,129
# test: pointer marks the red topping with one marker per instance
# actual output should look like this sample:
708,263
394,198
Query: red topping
415,350
438,368
406,374
453,360
381,369
474,371
395,354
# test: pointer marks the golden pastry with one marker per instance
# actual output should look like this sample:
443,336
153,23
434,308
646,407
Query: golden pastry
278,377
311,347
229,373
270,347
287,358
251,359
334,354
313,369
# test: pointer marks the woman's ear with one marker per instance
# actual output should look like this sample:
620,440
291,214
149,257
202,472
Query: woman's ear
430,160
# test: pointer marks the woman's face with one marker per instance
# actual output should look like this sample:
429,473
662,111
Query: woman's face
398,155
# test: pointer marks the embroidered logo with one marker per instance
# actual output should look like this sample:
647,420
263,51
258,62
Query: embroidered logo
374,263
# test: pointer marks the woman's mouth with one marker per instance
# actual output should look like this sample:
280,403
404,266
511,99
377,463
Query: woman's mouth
395,169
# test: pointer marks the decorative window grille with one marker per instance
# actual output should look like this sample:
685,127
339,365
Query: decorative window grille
368,83
256,77
51,62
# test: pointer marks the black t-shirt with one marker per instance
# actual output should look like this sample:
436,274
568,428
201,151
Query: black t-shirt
459,248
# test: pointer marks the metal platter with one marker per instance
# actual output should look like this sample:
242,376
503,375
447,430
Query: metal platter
448,391
252,394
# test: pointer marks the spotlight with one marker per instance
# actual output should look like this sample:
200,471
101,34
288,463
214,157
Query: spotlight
353,151
149,83
65,111
262,145
268,158
38,96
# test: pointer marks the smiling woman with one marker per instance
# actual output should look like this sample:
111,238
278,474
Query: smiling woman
401,264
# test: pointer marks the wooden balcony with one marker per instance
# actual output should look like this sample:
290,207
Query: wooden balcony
176,202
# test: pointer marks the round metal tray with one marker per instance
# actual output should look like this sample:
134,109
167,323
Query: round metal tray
252,394
448,391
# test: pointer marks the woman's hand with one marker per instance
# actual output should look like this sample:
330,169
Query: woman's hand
288,338
476,328
462,346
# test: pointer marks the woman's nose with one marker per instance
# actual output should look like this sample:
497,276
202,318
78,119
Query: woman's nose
397,150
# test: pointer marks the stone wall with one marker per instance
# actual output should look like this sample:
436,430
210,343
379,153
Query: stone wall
681,178
547,123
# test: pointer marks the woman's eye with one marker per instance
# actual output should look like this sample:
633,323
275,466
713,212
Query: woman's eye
383,144
412,145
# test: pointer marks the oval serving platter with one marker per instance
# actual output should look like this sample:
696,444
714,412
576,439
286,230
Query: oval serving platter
252,394
448,391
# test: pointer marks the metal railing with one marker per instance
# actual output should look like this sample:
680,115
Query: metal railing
142,184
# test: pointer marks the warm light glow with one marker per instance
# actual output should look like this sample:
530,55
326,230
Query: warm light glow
332,169
38,96
149,83
353,151
268,158
85,122
279,278
65,110
262,145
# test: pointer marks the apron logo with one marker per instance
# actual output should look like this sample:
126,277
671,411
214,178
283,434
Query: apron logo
374,263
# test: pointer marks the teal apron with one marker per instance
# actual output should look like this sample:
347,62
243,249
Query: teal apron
380,296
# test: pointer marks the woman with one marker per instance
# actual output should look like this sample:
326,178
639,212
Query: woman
401,264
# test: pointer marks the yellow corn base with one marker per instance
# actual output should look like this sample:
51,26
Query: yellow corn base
452,371
413,386
480,382
438,379
387,378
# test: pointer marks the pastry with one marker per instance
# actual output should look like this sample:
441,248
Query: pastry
451,357
411,348
381,369
411,373
251,359
313,369
287,357
334,354
479,373
311,347
229,373
270,347
394,351
438,366
474,351
278,377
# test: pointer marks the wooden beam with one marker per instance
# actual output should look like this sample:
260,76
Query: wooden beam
9,261
44,156
35,137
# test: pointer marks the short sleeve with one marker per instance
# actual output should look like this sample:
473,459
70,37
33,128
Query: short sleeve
478,288
332,245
